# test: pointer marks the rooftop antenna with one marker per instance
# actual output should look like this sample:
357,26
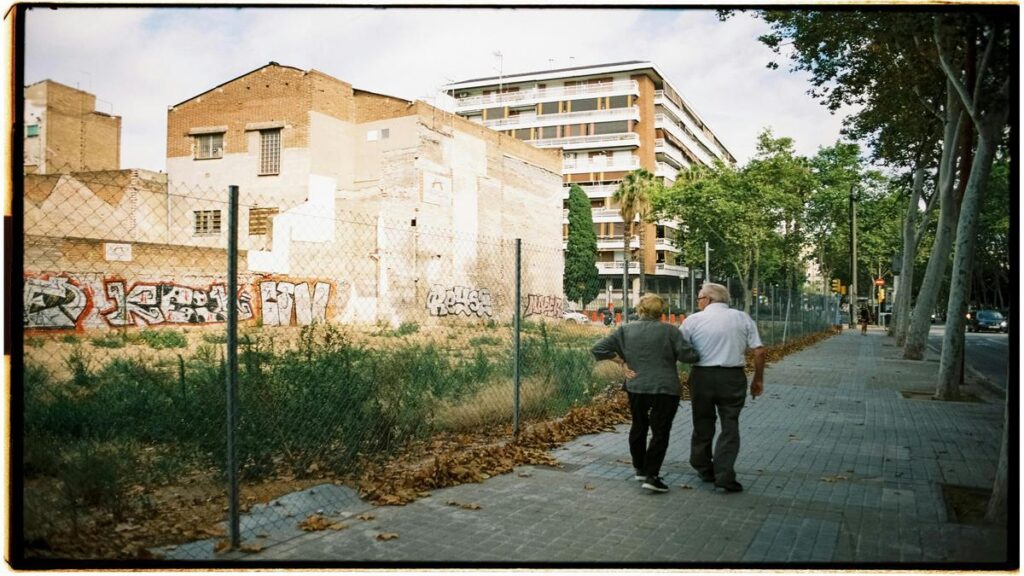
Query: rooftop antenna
501,68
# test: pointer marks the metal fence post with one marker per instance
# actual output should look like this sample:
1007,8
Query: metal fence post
516,319
232,368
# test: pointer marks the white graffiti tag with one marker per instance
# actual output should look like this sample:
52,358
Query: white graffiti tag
54,302
458,300
170,303
283,301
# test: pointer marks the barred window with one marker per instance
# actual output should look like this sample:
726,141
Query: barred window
259,220
32,130
206,222
209,146
270,152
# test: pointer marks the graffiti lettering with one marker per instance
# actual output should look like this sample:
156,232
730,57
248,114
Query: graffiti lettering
551,306
58,302
282,302
458,300
170,303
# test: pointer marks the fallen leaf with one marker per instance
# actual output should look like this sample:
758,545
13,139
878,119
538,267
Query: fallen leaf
385,536
686,487
525,475
588,486
366,516
337,526
221,546
314,523
251,547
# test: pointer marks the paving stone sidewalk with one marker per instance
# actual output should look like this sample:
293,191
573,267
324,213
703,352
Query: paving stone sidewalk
839,468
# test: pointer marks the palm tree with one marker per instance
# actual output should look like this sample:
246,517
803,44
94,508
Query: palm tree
634,198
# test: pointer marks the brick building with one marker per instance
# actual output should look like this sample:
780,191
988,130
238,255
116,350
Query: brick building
64,132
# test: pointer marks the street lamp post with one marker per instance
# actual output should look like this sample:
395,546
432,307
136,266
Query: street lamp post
853,254
707,262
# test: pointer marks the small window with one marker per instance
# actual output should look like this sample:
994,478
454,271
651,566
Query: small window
259,220
549,108
385,133
270,152
32,130
206,222
209,146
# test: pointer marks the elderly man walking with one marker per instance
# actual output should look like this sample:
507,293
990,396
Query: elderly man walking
721,336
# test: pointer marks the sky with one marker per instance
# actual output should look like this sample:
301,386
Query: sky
140,61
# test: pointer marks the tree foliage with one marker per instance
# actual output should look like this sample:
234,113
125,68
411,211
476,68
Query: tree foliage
580,278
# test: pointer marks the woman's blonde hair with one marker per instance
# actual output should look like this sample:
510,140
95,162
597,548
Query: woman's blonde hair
650,307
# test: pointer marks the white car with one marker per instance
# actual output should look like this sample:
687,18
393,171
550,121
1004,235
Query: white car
576,317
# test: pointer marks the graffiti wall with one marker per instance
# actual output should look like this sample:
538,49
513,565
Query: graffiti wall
458,300
67,302
284,303
168,303
59,302
540,305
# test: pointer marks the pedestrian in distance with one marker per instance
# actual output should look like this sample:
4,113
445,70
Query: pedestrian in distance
718,384
865,317
649,350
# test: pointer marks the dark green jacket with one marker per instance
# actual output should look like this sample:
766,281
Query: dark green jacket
651,349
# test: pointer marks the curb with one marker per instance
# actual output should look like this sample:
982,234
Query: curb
980,378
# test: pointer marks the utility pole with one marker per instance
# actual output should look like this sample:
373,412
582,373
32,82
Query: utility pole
707,262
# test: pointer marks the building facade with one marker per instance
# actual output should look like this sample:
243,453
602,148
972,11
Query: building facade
608,120
404,201
65,133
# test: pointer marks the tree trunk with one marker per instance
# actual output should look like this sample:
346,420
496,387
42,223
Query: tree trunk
921,317
901,307
997,505
963,260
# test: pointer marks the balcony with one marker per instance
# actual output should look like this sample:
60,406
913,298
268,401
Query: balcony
665,244
665,122
585,117
537,95
615,243
628,140
613,165
593,192
693,125
671,152
671,270
667,172
617,267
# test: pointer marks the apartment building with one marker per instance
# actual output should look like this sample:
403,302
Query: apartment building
65,133
608,120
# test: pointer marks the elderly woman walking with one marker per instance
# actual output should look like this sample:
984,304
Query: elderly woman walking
649,349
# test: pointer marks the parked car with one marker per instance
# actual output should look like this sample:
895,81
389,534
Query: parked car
986,320
572,316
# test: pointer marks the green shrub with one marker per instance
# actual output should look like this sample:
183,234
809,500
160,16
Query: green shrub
95,474
35,342
164,338
108,341
69,339
215,337
79,363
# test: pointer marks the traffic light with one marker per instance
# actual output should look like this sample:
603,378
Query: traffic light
836,286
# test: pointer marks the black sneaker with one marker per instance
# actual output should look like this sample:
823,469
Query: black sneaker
638,475
730,486
654,484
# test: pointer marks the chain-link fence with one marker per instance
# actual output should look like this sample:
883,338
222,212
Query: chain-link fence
360,339
373,355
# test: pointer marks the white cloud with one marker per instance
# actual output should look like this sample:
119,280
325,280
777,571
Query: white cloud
140,61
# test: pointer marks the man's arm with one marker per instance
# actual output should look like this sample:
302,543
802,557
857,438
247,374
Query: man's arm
757,384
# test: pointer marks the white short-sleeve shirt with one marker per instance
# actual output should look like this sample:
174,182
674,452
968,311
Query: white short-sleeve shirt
721,335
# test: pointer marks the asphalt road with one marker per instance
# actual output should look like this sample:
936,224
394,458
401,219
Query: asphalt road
988,353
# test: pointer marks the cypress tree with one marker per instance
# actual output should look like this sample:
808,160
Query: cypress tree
580,279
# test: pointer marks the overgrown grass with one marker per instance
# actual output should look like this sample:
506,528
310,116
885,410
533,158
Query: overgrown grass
325,400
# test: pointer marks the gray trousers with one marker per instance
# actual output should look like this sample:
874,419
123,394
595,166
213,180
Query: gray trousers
723,390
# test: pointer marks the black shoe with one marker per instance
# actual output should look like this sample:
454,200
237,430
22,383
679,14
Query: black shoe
654,484
731,487
637,475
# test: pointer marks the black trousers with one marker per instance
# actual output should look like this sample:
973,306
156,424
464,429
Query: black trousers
653,412
721,390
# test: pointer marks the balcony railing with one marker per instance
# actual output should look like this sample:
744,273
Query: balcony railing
631,139
661,146
536,95
671,270
665,244
613,267
667,172
701,141
598,191
665,122
614,165
584,117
